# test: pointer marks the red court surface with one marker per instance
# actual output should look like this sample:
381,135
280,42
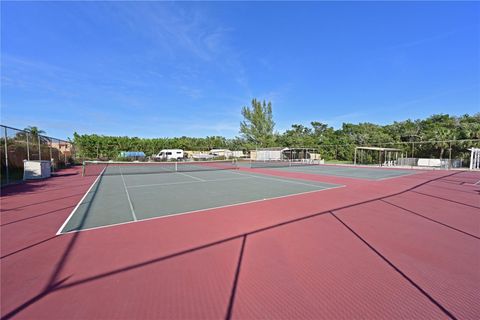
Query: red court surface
403,248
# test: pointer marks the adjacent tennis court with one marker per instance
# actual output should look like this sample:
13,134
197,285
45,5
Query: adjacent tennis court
333,170
128,192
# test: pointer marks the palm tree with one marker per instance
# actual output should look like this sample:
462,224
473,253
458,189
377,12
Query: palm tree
441,135
34,131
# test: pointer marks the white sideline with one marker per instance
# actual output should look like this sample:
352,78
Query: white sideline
193,177
128,196
282,180
184,182
206,209
473,184
79,203
314,171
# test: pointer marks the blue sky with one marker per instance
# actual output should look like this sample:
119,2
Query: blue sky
154,69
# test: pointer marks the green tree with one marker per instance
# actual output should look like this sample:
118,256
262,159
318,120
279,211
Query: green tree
257,126
408,135
35,131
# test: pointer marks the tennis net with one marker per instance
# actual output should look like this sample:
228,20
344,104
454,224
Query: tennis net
94,168
283,163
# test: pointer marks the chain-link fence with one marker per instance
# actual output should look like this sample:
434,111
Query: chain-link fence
100,151
445,153
19,145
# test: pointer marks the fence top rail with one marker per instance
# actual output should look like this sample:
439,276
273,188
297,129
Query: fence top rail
399,142
378,149
40,135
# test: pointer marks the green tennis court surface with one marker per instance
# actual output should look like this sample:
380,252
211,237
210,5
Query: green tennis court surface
347,172
122,198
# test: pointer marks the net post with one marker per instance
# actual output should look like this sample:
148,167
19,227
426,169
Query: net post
83,169
176,166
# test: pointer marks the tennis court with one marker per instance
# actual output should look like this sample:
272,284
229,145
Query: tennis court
391,247
129,192
334,170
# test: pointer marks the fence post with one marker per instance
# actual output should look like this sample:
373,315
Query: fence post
39,148
51,162
450,155
6,156
472,158
28,146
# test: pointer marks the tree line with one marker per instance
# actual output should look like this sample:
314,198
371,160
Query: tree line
257,130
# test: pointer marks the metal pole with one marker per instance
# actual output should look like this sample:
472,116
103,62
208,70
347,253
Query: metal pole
355,157
476,158
28,146
51,157
472,158
39,148
6,156
450,156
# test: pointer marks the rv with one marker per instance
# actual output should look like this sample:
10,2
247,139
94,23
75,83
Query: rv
169,154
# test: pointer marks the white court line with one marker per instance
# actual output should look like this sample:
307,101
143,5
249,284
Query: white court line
399,176
193,177
206,209
282,180
349,177
79,203
473,184
184,182
128,195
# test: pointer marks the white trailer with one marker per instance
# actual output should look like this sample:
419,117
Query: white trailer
170,154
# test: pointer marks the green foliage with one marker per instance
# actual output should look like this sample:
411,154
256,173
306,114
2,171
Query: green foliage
338,145
106,147
35,131
257,126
